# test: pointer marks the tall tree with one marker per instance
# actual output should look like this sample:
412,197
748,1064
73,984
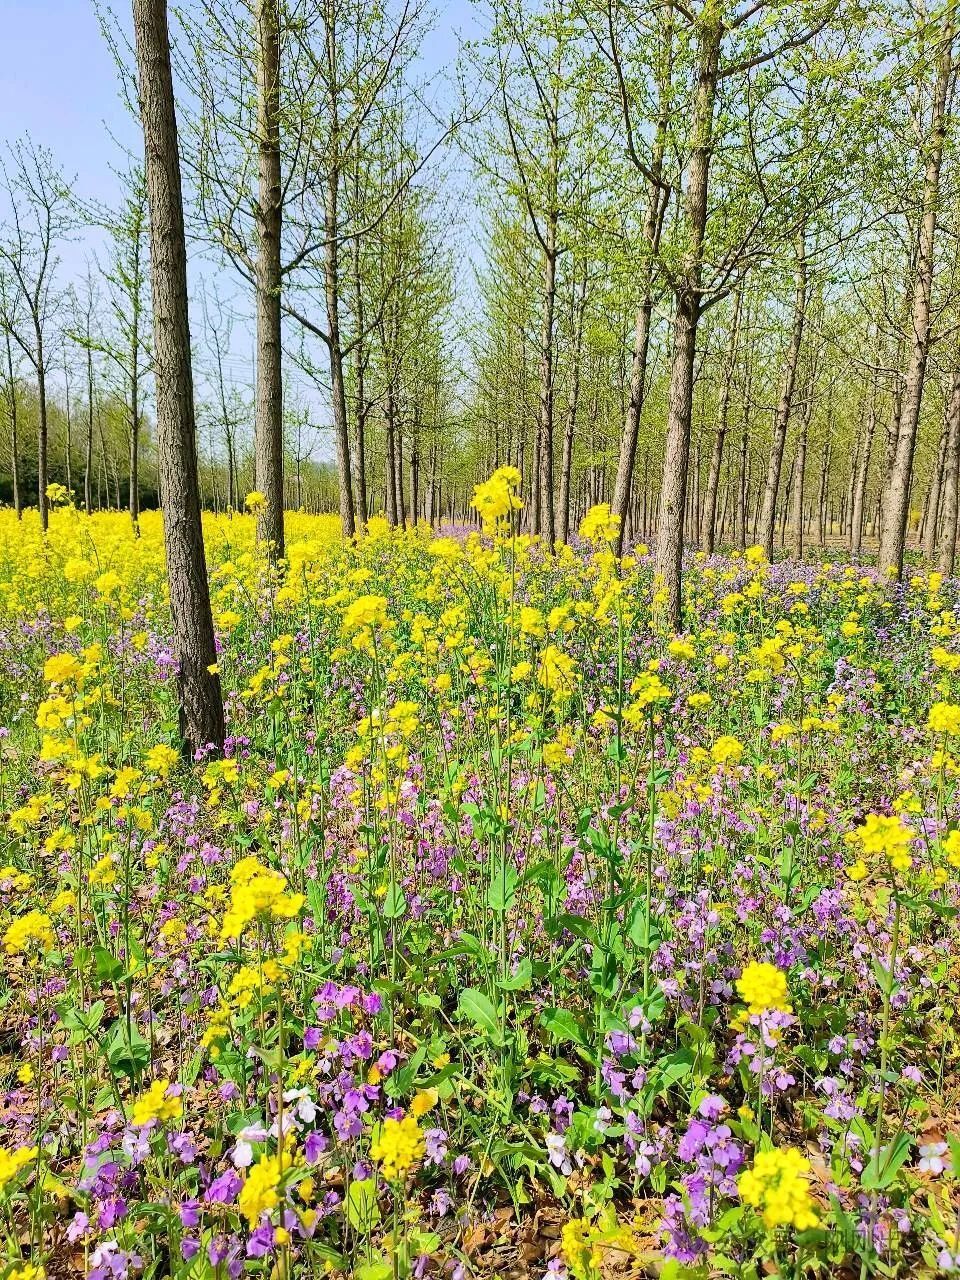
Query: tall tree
38,223
200,698
896,497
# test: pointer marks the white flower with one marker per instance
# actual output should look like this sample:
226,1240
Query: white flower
557,1151
242,1155
305,1108
932,1157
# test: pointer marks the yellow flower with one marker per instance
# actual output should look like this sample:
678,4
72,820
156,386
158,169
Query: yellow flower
365,611
400,1145
11,1162
255,500
495,498
445,549
157,1104
879,834
945,659
951,847
424,1101
944,717
532,622
257,891
108,583
646,690
61,668
598,525
259,1193
557,672
34,928
580,1252
778,1187
682,649
161,759
726,750
29,1271
62,901
763,987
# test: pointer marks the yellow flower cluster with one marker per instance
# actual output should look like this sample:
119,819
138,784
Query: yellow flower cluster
400,1145
726,750
557,672
944,718
763,987
157,1104
579,1247
33,928
260,1191
365,611
778,1188
882,835
497,497
11,1163
599,525
256,890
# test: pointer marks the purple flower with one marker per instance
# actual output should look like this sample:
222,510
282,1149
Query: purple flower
225,1189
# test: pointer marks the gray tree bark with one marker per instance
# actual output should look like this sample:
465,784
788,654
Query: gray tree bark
198,685
268,412
947,546
896,498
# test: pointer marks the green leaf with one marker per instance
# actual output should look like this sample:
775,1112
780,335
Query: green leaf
637,930
884,1167
563,1025
378,1270
394,904
106,966
503,887
363,1212
128,1054
521,979
478,1008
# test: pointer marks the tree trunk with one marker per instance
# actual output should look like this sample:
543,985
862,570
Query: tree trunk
863,471
200,699
391,460
573,401
668,563
69,426
670,517
657,197
716,457
360,360
341,432
398,479
896,499
931,524
88,455
822,529
799,477
268,414
13,405
768,512
545,414
42,432
947,546
414,486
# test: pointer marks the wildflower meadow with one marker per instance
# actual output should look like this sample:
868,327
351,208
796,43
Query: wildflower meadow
511,934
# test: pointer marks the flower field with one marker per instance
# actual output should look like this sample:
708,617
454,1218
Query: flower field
513,934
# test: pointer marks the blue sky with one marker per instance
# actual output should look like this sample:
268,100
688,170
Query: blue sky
59,84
